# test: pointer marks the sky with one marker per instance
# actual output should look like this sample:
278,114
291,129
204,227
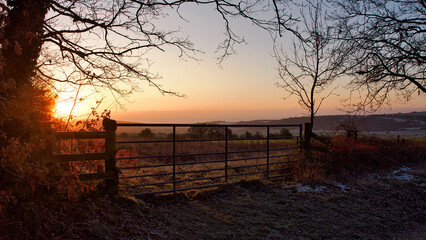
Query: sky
240,88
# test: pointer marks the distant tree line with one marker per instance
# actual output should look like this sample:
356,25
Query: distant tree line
206,132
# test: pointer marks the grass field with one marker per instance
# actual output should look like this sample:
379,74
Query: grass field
210,168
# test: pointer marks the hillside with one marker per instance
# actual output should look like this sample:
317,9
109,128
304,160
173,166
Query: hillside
372,123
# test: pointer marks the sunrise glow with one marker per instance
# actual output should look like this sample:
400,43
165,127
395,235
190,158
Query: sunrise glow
64,108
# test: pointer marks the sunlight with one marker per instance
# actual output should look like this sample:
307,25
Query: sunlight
63,108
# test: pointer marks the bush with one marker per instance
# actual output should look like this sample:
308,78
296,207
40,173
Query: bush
146,133
346,156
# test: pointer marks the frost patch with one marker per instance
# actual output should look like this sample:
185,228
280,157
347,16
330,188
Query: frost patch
403,169
307,188
402,174
343,188
304,189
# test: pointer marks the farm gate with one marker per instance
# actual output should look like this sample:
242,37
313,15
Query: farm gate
164,158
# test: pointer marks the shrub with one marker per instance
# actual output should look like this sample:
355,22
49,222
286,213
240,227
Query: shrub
346,156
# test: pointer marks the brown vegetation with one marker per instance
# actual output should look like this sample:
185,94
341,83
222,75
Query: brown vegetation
376,203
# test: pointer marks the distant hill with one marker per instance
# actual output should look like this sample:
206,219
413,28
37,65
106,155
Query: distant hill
374,123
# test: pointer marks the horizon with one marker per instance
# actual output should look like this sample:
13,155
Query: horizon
179,118
239,89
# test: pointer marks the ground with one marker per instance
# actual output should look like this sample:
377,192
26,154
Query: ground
385,204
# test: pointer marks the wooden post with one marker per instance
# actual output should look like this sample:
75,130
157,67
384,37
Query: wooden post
111,170
46,154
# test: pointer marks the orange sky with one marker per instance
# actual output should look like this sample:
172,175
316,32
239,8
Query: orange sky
242,89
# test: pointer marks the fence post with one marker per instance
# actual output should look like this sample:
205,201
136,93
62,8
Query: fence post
47,133
226,153
174,158
307,140
299,138
111,170
267,151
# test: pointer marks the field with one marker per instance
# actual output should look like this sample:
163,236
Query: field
195,157
202,163
371,188
386,204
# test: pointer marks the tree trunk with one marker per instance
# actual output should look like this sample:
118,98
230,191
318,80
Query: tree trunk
23,31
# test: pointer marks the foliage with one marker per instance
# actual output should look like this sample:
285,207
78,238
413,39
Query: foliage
347,155
247,134
284,132
211,132
23,137
146,133
198,131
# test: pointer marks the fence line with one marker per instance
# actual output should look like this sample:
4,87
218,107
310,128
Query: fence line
269,161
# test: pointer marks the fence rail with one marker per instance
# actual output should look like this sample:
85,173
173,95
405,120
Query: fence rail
110,174
164,173
179,161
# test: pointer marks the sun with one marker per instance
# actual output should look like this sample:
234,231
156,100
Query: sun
63,108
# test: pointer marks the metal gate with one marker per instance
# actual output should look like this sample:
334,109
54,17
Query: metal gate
164,158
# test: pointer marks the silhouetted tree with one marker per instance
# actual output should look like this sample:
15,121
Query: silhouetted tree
385,41
315,63
124,135
104,43
258,135
89,43
146,133
216,132
247,134
231,134
198,131
284,132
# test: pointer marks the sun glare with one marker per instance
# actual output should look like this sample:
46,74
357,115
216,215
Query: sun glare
63,108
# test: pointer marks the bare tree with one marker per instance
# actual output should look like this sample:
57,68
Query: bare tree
90,43
315,61
198,131
104,43
386,44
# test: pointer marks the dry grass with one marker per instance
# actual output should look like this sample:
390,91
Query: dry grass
346,157
198,162
377,206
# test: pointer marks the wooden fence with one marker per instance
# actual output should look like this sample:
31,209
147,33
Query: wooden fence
110,176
